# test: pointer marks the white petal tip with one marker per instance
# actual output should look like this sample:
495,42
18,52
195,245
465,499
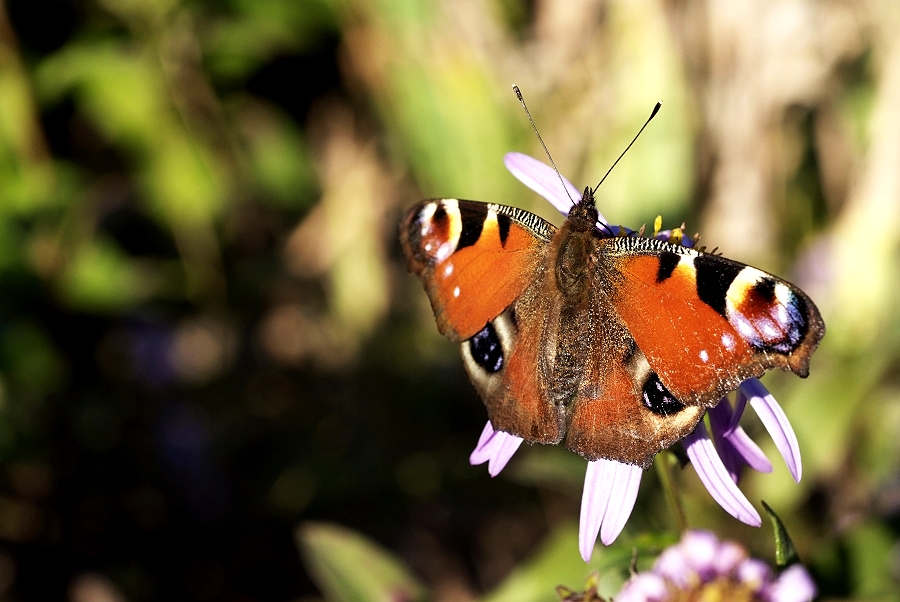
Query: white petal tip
607,539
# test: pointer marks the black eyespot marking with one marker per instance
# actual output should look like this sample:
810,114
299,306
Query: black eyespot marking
714,276
797,312
486,349
765,290
658,399
503,225
440,214
472,217
668,261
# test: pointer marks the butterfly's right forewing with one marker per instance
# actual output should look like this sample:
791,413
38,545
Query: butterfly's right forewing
474,258
484,268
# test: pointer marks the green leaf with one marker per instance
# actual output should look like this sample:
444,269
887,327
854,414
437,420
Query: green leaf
556,562
348,567
101,277
785,553
869,549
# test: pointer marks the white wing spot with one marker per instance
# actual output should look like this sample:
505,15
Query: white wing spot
769,329
425,217
444,251
744,327
427,247
456,292
784,294
781,314
704,355
728,341
448,270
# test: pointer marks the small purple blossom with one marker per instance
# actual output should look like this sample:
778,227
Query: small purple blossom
610,487
700,567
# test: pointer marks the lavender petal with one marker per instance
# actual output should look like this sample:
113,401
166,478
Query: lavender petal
495,448
598,481
729,557
508,446
734,444
673,565
739,405
700,549
624,492
487,446
646,587
720,427
542,179
776,422
715,477
793,585
721,418
749,450
754,572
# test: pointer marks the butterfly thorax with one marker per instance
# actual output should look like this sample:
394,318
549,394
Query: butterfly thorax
573,249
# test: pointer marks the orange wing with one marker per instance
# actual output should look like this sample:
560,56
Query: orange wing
483,267
706,323
474,258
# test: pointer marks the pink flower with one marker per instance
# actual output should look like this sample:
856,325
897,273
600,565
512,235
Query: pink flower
610,487
700,567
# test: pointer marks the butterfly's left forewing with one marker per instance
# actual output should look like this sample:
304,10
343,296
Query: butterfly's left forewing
681,328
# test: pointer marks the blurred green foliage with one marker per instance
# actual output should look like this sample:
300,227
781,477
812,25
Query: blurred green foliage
207,334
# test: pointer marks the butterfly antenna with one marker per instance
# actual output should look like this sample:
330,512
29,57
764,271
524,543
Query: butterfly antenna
538,134
652,115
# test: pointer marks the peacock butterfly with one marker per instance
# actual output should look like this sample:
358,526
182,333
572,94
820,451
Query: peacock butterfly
615,344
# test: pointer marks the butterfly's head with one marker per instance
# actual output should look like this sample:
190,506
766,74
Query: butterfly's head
583,214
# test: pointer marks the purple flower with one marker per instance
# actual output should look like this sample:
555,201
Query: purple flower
700,567
610,487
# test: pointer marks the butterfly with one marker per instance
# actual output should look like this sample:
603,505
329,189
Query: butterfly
616,345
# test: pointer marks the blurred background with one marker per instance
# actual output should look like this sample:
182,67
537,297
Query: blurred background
210,350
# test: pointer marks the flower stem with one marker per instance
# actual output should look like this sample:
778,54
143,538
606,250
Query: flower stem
664,462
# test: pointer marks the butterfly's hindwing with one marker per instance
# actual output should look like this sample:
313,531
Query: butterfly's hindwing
622,410
514,382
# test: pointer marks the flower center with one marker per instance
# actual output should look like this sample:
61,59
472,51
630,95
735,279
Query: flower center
722,589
